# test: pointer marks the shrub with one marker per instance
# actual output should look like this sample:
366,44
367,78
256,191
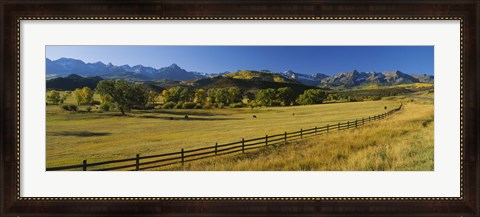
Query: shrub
73,108
375,98
219,105
179,105
389,98
207,105
89,109
356,99
65,107
105,107
168,105
237,105
275,103
198,106
189,105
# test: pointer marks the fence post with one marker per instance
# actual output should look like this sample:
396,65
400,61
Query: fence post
315,130
363,121
327,127
338,126
369,119
301,133
137,163
356,121
183,160
266,140
216,148
285,137
243,145
348,124
84,165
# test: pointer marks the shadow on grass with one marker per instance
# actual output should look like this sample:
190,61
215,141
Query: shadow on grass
184,112
188,119
79,133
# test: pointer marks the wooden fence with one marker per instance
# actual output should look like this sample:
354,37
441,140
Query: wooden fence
183,156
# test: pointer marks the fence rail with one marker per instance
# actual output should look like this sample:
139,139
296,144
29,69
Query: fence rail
183,156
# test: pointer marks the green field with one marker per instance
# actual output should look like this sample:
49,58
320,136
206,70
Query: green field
75,136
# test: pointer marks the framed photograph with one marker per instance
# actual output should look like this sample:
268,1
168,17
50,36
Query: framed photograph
239,108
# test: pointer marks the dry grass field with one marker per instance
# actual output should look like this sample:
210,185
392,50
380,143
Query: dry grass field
402,142
75,136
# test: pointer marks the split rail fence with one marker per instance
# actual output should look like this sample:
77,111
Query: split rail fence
183,156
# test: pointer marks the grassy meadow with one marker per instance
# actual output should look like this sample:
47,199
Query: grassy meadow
95,136
402,142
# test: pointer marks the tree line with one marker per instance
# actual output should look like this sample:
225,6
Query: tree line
177,97
121,95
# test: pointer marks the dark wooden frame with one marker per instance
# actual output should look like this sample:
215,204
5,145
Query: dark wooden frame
468,11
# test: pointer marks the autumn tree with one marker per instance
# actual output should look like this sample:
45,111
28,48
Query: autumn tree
311,96
234,95
152,96
266,97
200,95
286,95
53,97
83,96
122,94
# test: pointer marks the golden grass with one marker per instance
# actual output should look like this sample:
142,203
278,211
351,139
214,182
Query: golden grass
73,137
407,86
402,142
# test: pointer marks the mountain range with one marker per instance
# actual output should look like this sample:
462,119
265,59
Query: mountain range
64,67
67,66
355,78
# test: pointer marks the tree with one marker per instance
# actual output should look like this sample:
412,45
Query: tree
165,95
311,96
211,95
138,95
266,96
53,97
234,95
152,96
250,97
187,94
122,94
286,95
65,96
221,96
83,96
200,95
174,94
330,97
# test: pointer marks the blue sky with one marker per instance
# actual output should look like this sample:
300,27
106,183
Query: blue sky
302,59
